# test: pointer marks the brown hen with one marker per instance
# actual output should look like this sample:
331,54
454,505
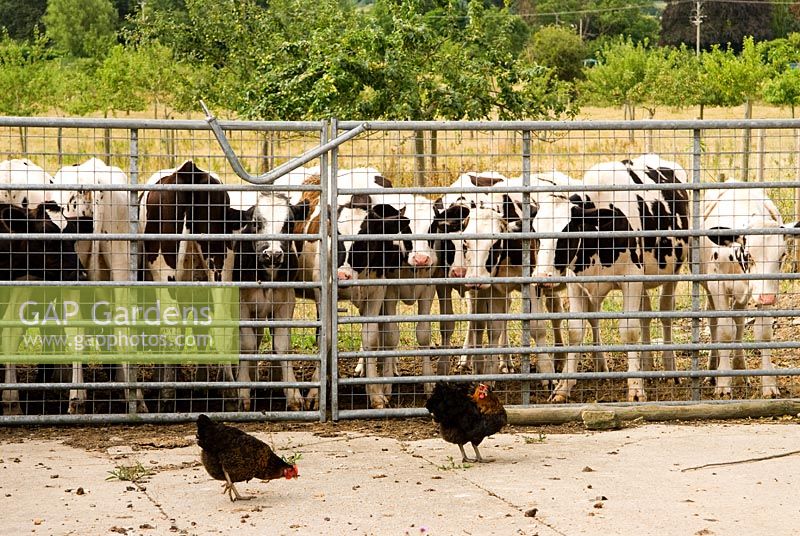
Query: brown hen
232,455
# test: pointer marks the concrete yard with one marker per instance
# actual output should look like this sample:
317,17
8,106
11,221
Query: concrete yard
640,480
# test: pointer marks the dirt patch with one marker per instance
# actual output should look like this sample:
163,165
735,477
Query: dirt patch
147,436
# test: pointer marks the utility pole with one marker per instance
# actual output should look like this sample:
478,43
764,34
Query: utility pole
697,20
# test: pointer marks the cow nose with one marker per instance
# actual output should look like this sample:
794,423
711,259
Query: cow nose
545,284
420,259
766,299
458,271
344,275
271,258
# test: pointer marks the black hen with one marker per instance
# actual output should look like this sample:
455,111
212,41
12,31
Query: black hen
464,417
232,455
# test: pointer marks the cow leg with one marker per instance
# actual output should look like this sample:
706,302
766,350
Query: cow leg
446,327
127,373
371,341
284,301
578,302
390,339
630,333
11,396
77,397
726,333
554,305
762,332
475,329
496,332
667,303
644,324
423,334
248,344
544,360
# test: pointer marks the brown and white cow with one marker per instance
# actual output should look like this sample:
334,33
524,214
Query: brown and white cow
204,210
740,213
608,213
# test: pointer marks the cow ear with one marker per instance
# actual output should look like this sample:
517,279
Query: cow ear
15,219
382,181
301,210
361,201
482,180
510,213
438,207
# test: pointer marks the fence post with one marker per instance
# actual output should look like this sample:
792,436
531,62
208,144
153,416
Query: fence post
133,211
796,240
325,343
328,213
694,253
526,264
761,154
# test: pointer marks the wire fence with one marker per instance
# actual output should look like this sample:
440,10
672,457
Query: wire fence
638,262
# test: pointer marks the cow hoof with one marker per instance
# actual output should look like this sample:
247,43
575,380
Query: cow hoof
77,407
637,395
359,371
723,393
141,407
770,392
558,398
244,405
379,402
12,409
294,405
311,404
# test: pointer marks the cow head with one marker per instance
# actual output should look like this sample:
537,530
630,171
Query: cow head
276,256
361,217
737,252
481,257
423,216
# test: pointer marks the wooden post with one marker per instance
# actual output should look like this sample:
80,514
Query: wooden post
796,241
434,149
746,135
419,158
761,154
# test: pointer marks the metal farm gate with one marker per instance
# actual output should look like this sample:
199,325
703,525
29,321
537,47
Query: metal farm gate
412,338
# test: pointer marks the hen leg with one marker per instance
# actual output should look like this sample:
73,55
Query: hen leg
231,490
464,458
478,457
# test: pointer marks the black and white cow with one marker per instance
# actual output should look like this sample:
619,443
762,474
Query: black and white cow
69,211
108,212
420,261
491,257
48,259
738,212
264,260
611,212
356,260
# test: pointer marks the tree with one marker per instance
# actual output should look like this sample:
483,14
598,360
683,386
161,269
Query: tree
20,18
618,78
723,23
82,28
561,49
596,18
